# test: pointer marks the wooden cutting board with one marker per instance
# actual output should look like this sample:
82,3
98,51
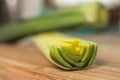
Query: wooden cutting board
25,62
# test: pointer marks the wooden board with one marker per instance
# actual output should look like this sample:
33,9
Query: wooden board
24,62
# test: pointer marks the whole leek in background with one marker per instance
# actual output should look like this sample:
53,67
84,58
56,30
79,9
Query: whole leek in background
66,52
92,15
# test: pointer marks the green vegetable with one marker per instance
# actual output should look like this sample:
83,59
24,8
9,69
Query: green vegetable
66,52
96,15
87,15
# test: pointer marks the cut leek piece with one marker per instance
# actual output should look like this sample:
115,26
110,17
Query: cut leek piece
89,15
66,52
96,15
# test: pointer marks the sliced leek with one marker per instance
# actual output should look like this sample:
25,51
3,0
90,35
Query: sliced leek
66,52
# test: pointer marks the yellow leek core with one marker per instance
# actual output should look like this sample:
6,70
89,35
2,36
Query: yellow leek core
66,52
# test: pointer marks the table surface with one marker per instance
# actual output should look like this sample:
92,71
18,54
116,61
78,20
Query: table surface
20,61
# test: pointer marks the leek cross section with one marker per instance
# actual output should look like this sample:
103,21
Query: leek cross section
66,52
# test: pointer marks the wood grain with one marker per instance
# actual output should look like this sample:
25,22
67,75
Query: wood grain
24,62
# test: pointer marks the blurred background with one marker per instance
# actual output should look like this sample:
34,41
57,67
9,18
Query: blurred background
16,10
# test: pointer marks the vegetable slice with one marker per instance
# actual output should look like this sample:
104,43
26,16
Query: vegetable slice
66,52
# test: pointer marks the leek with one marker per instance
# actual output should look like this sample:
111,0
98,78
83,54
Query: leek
93,15
66,52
